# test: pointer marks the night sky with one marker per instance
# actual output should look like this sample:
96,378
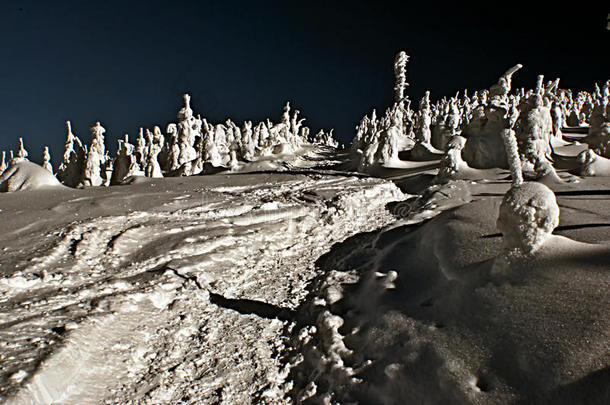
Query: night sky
127,65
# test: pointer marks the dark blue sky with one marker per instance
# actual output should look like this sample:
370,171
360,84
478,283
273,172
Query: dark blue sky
127,63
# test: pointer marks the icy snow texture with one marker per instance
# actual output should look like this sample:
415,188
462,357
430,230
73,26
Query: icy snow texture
528,215
169,290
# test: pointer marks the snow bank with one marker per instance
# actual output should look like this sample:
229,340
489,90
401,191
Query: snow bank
24,176
420,314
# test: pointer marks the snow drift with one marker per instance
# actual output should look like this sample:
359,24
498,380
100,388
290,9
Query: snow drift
23,175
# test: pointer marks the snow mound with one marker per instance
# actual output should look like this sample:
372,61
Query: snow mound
528,214
419,314
592,164
24,175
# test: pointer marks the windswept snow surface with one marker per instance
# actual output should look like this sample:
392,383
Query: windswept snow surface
426,311
303,287
177,290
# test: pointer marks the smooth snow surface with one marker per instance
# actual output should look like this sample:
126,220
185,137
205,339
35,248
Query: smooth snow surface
434,314
25,176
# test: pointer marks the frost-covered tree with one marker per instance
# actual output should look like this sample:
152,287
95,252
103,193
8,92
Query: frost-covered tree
22,153
46,160
400,72
73,164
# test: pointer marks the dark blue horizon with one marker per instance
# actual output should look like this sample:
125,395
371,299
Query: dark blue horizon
127,64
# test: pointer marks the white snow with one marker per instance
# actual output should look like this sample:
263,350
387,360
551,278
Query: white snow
160,293
23,175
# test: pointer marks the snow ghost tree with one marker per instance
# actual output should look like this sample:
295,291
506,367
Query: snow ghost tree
528,215
73,164
22,153
185,133
122,162
529,212
500,90
125,164
452,162
512,153
452,123
152,168
97,138
3,164
95,164
400,71
92,175
558,119
248,147
46,160
484,147
140,151
387,150
378,140
324,138
598,137
534,129
422,132
173,152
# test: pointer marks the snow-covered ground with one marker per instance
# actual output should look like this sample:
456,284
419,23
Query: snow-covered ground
302,286
170,290
422,313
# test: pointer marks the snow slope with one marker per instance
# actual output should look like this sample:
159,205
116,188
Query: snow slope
168,290
303,286
429,313
26,176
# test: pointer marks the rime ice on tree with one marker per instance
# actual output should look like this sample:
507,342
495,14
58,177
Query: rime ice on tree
94,171
528,215
485,147
378,141
22,154
424,119
188,128
46,160
529,212
400,71
73,164
3,164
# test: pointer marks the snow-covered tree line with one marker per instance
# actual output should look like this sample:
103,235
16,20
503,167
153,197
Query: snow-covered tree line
187,148
536,116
